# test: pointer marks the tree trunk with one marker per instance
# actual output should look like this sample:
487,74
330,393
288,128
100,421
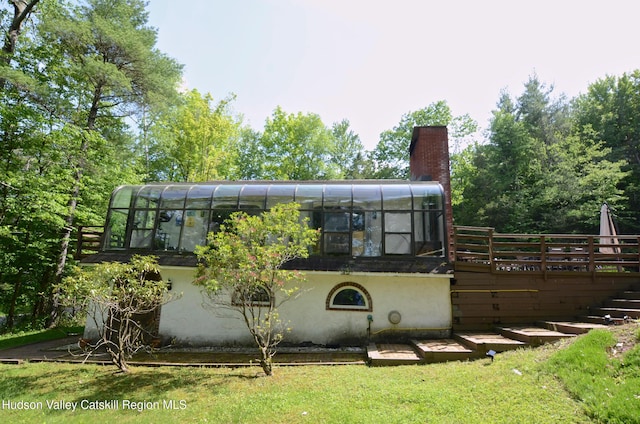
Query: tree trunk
73,202
21,11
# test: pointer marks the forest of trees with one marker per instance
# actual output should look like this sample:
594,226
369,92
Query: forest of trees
88,102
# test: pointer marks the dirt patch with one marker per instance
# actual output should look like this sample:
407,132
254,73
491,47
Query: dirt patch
627,337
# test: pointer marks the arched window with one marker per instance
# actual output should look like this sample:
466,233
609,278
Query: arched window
350,297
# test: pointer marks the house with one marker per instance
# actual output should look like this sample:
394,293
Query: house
380,271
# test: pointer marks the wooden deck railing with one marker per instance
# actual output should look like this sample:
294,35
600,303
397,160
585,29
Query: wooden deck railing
483,248
89,241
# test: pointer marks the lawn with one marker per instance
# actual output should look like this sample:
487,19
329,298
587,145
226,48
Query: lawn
522,386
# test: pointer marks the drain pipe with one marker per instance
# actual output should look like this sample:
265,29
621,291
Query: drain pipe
370,320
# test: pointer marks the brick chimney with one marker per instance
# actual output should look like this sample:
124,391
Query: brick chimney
429,161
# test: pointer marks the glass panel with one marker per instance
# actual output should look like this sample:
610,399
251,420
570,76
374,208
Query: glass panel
218,217
367,197
199,197
397,222
173,197
280,194
169,227
396,197
397,244
336,243
116,230
194,231
227,196
144,219
122,198
428,234
349,297
148,197
427,196
337,195
253,197
336,221
309,196
141,238
372,235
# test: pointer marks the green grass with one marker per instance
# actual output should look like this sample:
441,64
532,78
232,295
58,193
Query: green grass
603,379
540,385
10,340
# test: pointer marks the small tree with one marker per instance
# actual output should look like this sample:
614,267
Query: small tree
241,269
121,299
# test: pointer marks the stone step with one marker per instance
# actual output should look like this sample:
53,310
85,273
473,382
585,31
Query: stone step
616,312
392,354
571,327
535,336
486,341
443,350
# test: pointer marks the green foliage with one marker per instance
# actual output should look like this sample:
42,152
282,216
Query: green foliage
604,381
242,269
391,155
195,141
293,147
539,172
118,297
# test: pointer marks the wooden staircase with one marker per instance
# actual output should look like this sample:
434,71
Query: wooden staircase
474,345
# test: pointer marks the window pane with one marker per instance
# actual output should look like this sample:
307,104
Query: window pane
115,233
173,197
194,231
148,197
397,222
427,196
226,196
396,197
144,219
253,197
349,297
336,221
122,198
372,235
280,194
309,196
397,244
367,197
337,195
169,226
428,235
336,243
199,197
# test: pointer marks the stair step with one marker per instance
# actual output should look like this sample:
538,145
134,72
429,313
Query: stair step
534,336
570,327
442,350
633,295
486,341
616,312
597,319
392,354
623,303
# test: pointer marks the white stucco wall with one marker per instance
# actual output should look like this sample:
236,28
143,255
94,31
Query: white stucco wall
423,300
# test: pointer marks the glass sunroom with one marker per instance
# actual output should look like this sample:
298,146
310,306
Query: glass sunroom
357,219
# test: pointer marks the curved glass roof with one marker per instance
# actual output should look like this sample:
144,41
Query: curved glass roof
356,218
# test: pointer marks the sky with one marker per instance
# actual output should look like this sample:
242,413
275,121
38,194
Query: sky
371,61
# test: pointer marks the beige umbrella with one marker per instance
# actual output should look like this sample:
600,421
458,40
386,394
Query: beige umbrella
607,231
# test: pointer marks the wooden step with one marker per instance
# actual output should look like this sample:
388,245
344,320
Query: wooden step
486,341
597,319
534,336
633,295
571,327
392,354
623,303
616,312
442,350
